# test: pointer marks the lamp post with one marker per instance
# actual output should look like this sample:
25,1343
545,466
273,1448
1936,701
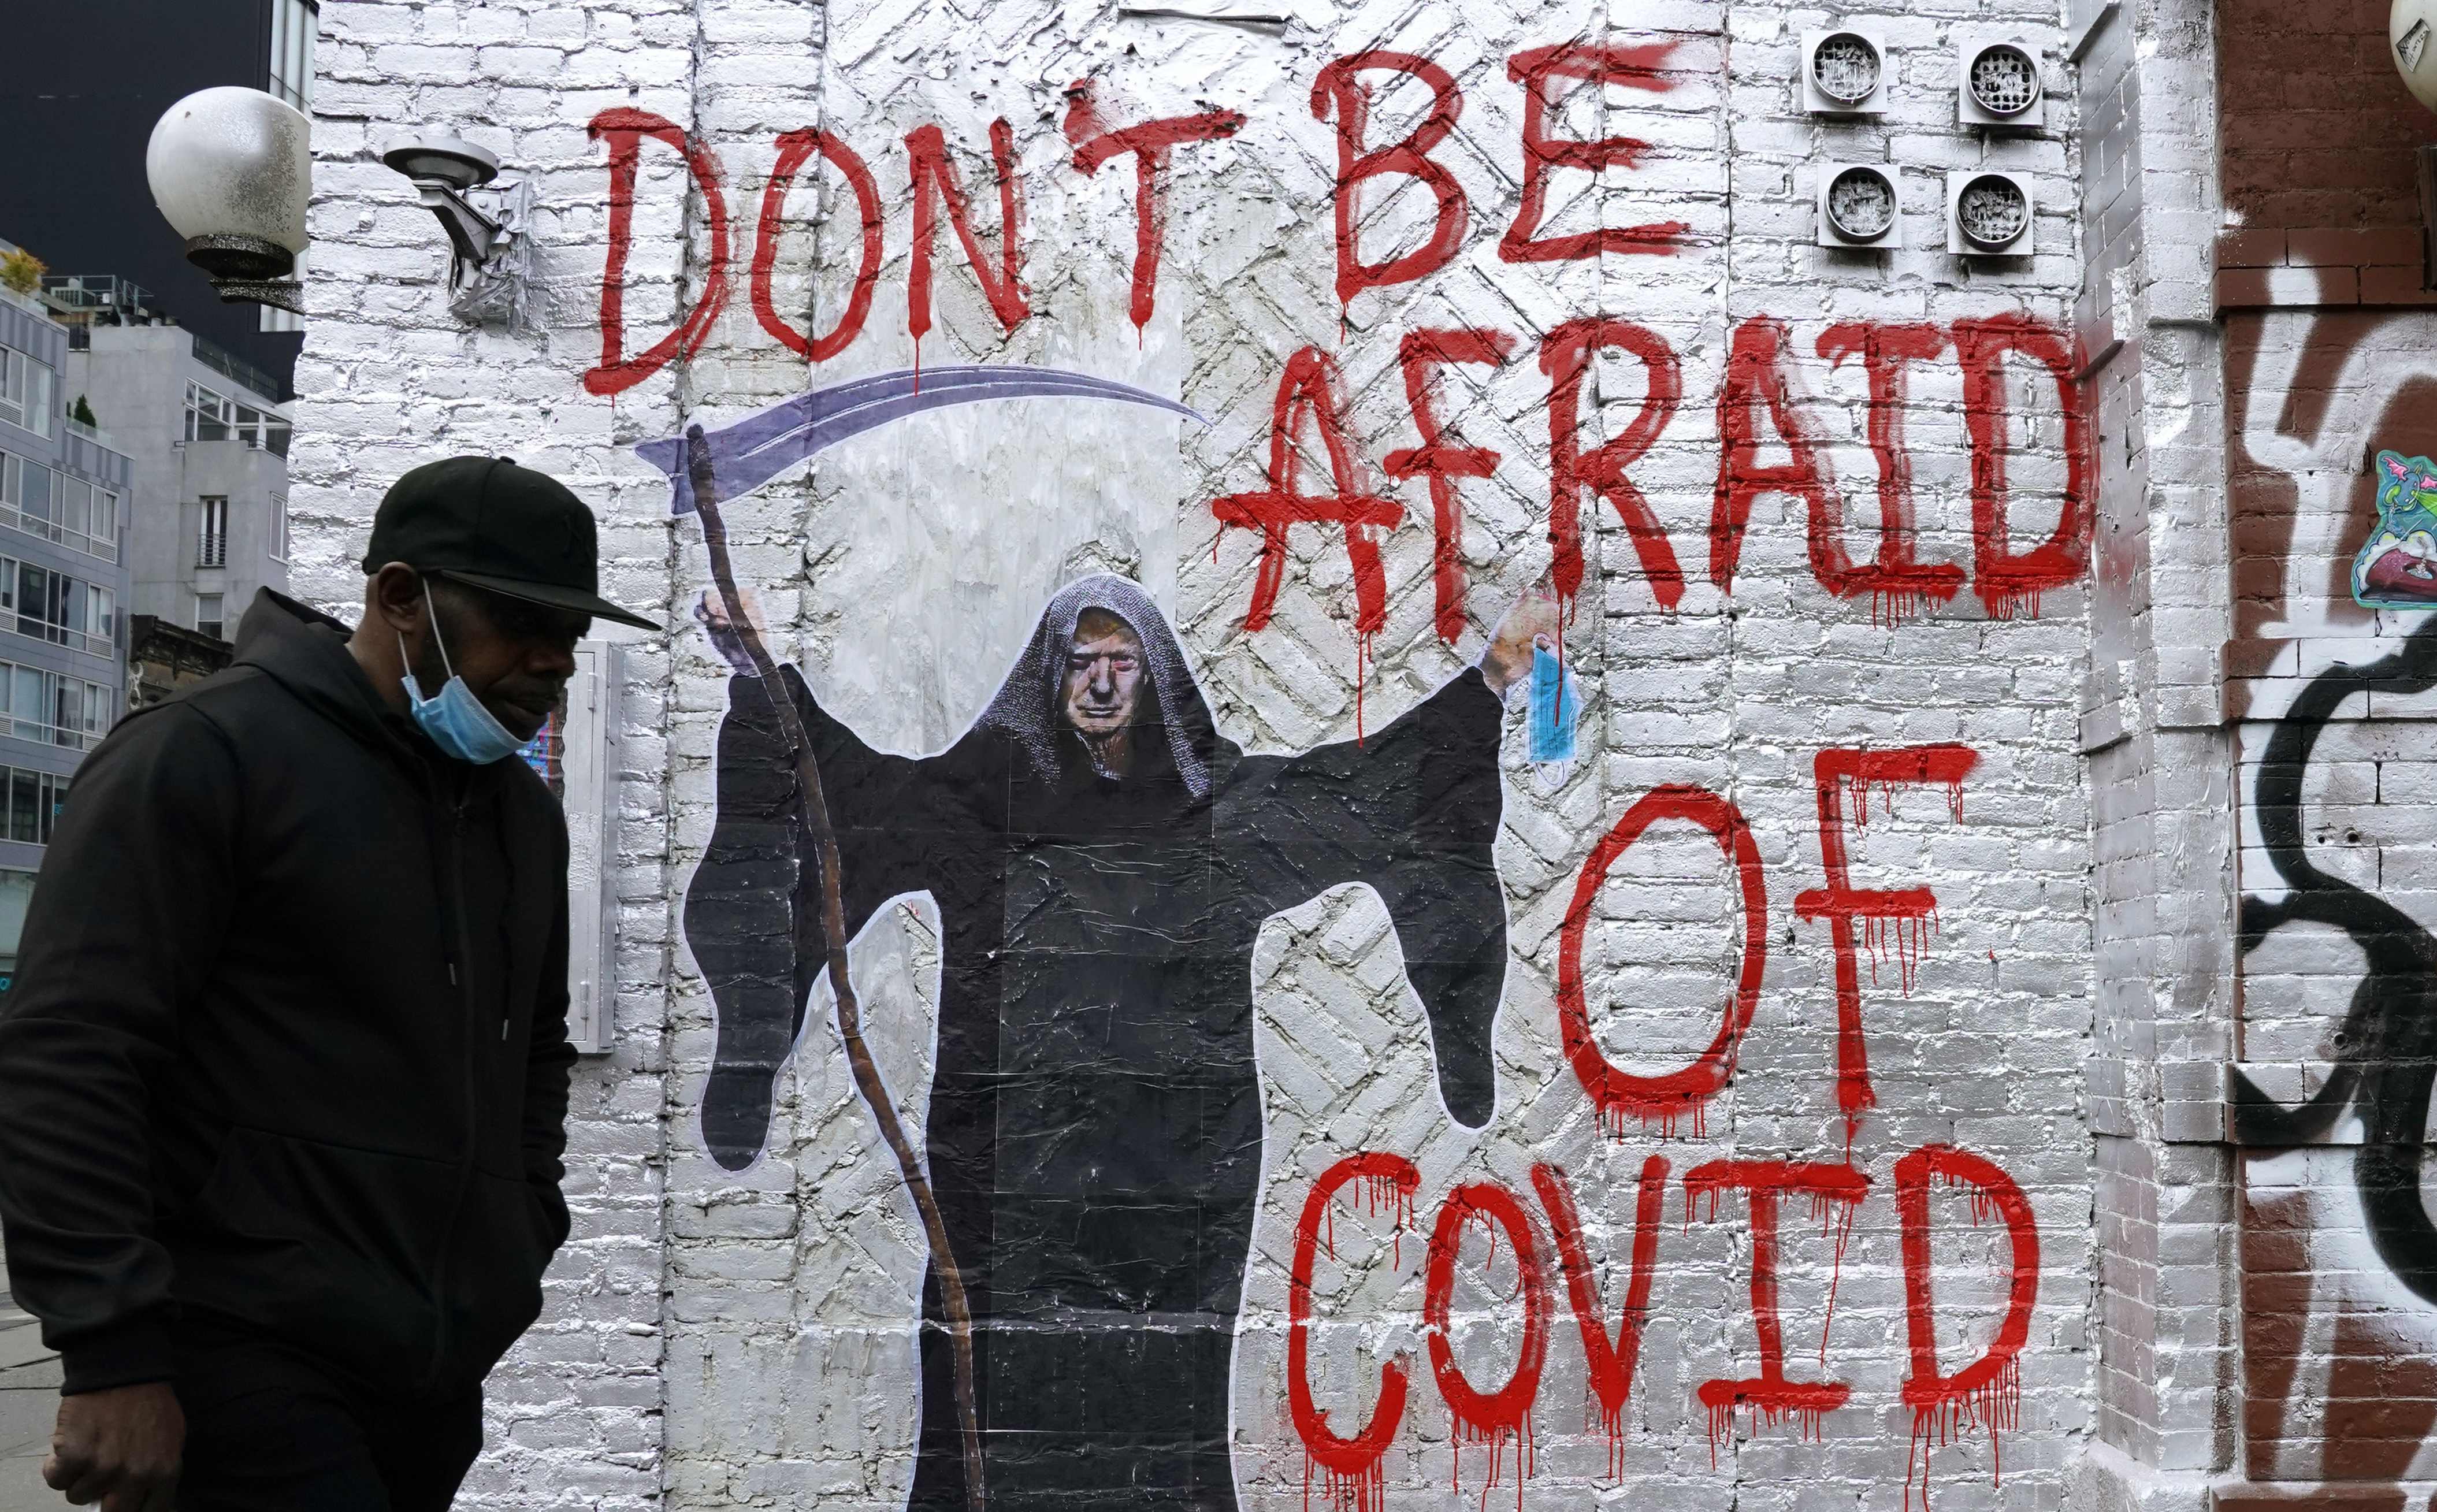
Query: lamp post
232,170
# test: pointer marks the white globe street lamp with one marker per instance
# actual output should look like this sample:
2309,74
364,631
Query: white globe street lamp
2411,29
232,170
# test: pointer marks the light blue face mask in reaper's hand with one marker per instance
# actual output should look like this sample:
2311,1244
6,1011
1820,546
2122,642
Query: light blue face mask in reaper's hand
454,718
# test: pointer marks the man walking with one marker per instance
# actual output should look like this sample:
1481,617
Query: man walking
286,1068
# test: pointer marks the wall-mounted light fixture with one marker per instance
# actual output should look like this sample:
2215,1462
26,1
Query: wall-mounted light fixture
232,170
484,216
2410,27
2411,40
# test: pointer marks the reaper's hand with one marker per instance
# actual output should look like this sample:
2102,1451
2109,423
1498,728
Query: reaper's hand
712,610
1507,658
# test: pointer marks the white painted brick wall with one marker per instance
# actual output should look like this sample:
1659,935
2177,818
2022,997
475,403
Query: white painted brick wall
717,1339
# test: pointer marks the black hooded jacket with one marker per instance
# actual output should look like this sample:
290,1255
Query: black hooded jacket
289,1041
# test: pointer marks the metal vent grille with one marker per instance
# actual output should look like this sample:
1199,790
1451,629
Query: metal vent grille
1846,68
2005,80
1993,212
1860,204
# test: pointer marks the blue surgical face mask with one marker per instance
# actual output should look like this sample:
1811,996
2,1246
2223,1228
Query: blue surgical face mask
1554,708
455,719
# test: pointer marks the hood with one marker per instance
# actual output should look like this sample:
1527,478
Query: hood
306,652
1025,711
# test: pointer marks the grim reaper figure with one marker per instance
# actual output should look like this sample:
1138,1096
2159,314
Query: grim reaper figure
1102,860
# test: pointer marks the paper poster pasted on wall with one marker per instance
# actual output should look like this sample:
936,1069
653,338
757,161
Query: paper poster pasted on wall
1103,860
2397,569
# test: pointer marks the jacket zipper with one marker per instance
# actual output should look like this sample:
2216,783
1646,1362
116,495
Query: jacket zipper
454,879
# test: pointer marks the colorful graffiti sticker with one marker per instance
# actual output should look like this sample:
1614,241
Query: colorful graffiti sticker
2397,570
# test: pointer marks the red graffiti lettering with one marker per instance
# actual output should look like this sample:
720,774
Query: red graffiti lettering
1662,1100
1899,586
1309,388
1351,1467
936,183
1545,73
1987,1392
623,129
1421,353
1911,912
1835,1192
2006,581
1566,356
1149,142
796,149
1339,88
1609,1363
1758,378
1490,1417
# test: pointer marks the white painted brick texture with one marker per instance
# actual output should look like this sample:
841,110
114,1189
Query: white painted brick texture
715,1339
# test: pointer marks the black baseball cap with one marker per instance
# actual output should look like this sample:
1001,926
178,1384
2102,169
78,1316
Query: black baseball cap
488,524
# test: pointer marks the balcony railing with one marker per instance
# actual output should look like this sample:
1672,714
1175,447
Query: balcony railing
228,365
92,433
210,549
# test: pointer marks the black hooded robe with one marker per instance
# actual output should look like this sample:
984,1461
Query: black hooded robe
1094,1128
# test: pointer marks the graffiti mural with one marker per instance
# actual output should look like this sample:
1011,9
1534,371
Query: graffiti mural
2331,1102
1356,821
2397,569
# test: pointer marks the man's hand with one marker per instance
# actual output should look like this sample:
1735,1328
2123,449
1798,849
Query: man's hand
119,1448
1534,617
710,612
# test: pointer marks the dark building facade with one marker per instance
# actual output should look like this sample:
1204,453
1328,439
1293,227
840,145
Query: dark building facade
76,195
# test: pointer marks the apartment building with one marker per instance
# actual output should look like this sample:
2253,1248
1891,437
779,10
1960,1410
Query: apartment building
209,509
64,489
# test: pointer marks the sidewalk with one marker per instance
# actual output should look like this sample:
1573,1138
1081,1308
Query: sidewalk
29,1383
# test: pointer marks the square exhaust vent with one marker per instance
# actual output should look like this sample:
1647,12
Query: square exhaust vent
1845,72
1998,83
1860,207
1988,214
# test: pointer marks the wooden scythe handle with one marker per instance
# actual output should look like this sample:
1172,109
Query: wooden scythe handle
850,1014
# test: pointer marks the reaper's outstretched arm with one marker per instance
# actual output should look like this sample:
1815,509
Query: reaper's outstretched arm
1412,810
752,911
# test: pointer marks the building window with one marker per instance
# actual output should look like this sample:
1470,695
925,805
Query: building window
279,528
58,507
34,800
207,615
211,542
275,319
293,24
25,392
16,892
54,708
212,415
42,604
